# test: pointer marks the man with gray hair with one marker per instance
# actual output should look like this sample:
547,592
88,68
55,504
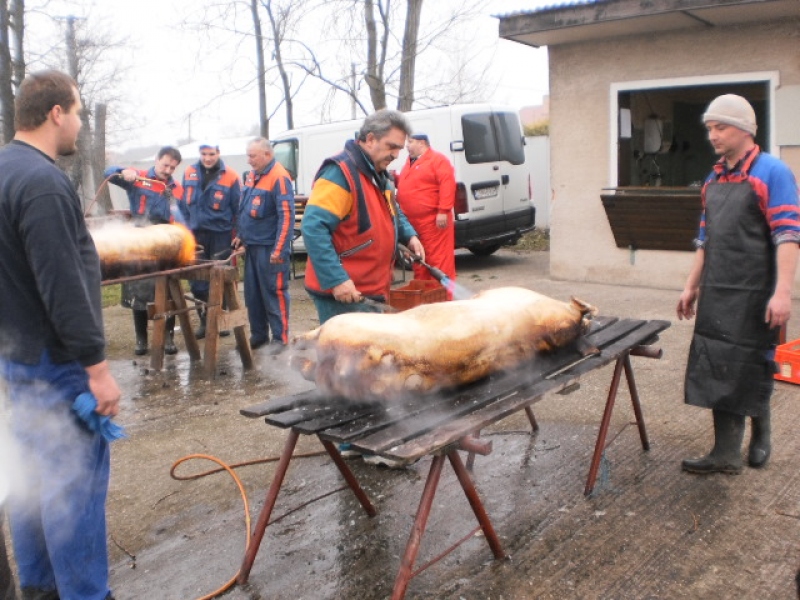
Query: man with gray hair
352,222
741,280
265,229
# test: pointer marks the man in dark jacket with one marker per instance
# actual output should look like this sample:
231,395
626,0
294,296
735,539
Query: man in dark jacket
266,226
153,197
210,204
52,350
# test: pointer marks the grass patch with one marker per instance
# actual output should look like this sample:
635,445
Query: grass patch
111,295
537,240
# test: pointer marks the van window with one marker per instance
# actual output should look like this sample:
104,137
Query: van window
492,137
286,154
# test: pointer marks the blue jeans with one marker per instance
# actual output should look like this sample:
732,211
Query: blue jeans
56,508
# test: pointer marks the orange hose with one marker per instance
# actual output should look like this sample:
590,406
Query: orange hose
229,468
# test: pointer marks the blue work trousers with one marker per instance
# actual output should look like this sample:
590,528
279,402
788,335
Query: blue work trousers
216,246
59,483
266,294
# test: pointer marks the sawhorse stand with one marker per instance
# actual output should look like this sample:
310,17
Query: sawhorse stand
170,301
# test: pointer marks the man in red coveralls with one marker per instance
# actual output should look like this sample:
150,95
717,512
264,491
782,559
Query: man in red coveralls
426,191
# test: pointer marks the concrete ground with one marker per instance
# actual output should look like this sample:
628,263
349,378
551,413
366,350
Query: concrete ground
649,531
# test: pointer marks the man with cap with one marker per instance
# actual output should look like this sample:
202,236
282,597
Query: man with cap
741,282
426,191
210,204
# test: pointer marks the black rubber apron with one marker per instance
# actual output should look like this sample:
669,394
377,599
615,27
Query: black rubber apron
730,365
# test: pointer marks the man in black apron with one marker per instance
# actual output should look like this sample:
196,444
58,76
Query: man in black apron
741,280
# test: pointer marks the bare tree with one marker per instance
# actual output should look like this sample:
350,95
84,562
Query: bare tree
262,77
408,60
390,63
12,60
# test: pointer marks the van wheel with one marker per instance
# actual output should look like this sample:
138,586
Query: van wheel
484,250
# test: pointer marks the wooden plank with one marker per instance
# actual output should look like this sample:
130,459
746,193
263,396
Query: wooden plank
281,404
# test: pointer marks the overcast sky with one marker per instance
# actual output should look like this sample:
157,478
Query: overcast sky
174,87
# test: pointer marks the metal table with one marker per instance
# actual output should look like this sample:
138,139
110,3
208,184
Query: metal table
441,425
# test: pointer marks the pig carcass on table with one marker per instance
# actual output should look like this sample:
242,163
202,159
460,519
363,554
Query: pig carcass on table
126,250
369,356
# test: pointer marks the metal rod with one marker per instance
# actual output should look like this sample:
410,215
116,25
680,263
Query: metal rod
637,406
350,478
647,352
475,502
475,446
404,574
269,505
531,419
601,434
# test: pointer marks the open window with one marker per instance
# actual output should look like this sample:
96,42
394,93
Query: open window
663,158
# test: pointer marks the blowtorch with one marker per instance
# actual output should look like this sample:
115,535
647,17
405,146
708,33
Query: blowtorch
454,290
437,273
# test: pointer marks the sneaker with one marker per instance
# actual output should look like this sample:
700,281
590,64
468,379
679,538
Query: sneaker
347,450
382,461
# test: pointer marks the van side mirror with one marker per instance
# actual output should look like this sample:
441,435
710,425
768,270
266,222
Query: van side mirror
457,146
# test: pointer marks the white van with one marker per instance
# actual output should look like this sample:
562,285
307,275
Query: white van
493,204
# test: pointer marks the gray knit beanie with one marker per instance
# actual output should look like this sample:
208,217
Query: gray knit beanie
733,110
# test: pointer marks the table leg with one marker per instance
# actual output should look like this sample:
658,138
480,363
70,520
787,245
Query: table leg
601,435
532,419
159,325
269,505
471,455
637,406
475,502
349,478
213,310
423,512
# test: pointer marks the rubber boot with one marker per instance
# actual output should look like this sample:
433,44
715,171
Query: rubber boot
760,446
38,594
169,343
140,327
201,331
726,456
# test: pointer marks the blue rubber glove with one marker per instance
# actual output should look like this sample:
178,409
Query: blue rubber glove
84,406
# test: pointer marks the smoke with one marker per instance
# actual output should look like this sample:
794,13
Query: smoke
9,466
44,450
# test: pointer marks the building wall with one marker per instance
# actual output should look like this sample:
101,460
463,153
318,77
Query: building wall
581,244
537,157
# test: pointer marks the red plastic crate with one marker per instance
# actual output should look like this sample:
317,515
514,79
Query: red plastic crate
416,292
787,357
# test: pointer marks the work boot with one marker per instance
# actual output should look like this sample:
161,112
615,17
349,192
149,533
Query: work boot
726,456
201,331
29,593
760,447
169,343
140,328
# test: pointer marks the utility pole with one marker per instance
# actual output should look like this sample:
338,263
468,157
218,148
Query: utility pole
353,88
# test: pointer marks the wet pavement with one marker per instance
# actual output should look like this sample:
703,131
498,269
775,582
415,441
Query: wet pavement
648,531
